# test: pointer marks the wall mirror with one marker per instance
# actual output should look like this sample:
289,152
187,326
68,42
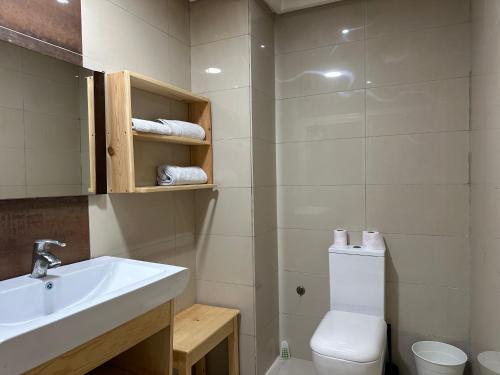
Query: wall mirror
47,136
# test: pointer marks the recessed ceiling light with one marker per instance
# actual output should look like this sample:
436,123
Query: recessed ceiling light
212,70
262,46
63,1
333,74
346,31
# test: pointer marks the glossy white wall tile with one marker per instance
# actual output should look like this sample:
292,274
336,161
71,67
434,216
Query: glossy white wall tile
418,209
333,162
485,192
213,20
386,150
320,26
320,117
229,58
150,37
415,56
427,107
320,70
392,17
432,158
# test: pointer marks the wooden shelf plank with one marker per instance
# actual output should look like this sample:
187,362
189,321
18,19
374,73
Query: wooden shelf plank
152,85
158,189
169,139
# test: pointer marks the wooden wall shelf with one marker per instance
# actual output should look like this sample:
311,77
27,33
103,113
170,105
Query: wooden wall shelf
121,166
169,139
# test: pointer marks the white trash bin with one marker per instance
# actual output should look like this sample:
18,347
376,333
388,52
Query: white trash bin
437,358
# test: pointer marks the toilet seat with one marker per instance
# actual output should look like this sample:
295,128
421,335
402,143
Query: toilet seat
350,337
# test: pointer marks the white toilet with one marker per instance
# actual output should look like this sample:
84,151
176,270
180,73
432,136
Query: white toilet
351,338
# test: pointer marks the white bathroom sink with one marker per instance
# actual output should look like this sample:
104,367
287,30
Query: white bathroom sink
43,318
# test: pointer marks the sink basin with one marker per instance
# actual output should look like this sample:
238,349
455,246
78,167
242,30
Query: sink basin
41,319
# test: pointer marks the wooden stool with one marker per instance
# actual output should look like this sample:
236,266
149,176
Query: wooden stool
199,329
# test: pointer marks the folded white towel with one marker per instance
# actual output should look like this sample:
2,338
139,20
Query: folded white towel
147,126
173,175
184,129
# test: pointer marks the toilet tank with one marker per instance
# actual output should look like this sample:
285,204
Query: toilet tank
357,280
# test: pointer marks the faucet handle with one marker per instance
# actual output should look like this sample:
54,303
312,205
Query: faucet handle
43,245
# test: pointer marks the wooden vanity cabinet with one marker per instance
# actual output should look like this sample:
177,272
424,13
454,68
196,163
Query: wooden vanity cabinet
142,346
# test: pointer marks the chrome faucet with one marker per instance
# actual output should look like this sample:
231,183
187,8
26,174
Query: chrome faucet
42,259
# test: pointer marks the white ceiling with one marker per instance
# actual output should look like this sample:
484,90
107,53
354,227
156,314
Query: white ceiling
283,6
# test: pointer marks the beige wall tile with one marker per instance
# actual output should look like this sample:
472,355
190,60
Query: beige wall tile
231,56
10,56
430,260
263,116
154,12
320,70
11,128
323,207
319,117
262,67
225,258
418,108
266,279
224,211
298,330
230,113
122,231
304,250
12,192
13,166
485,147
429,310
247,355
424,55
264,209
264,163
40,95
440,158
262,22
178,20
49,68
213,20
267,346
110,33
418,209
52,132
485,210
316,300
47,167
232,163
394,16
11,93
484,28
179,63
333,162
230,295
485,93
320,26
485,283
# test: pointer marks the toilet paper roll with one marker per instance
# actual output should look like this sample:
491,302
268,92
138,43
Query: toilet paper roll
373,240
340,237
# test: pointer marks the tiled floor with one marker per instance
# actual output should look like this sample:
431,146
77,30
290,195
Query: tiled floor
292,366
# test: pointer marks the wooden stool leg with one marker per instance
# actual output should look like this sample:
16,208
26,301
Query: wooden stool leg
234,356
201,367
185,369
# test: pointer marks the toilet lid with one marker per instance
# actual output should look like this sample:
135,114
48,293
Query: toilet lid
351,337
490,360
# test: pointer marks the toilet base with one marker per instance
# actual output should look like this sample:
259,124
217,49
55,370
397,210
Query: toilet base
332,366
